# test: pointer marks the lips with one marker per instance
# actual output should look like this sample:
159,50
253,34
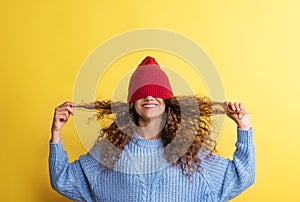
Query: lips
149,105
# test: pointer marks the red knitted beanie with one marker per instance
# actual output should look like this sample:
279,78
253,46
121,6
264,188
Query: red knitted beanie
149,80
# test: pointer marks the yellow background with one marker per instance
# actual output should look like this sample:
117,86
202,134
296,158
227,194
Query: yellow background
254,44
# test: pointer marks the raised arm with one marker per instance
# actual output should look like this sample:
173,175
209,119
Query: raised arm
66,178
228,178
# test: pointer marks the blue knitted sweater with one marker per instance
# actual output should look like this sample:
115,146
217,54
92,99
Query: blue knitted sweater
147,179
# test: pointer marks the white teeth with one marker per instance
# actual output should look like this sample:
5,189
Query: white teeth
149,105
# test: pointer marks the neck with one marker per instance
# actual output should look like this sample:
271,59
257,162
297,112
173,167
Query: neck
149,129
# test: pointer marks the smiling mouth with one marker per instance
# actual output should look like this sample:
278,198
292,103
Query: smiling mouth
149,105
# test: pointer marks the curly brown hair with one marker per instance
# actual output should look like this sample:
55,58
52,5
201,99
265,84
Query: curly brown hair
187,125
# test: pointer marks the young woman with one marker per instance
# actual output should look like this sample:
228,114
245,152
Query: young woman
160,149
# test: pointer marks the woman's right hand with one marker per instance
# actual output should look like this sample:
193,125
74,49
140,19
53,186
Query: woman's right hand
61,116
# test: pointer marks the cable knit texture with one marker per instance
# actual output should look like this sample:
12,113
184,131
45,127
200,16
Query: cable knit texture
141,175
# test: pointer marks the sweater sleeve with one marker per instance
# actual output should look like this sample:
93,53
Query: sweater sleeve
67,178
228,178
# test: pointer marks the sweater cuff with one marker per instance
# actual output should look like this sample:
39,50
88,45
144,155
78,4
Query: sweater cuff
245,136
56,150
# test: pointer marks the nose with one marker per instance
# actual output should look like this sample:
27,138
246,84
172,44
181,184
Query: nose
148,98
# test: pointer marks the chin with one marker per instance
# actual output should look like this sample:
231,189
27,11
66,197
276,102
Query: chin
151,116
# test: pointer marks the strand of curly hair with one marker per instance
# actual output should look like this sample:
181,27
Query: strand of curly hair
187,125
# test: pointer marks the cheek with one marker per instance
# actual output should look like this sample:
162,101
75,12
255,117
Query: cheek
162,108
137,106
138,110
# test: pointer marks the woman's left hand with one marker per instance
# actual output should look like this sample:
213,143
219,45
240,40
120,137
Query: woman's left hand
237,112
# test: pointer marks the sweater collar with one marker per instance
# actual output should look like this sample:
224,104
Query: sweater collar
142,142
